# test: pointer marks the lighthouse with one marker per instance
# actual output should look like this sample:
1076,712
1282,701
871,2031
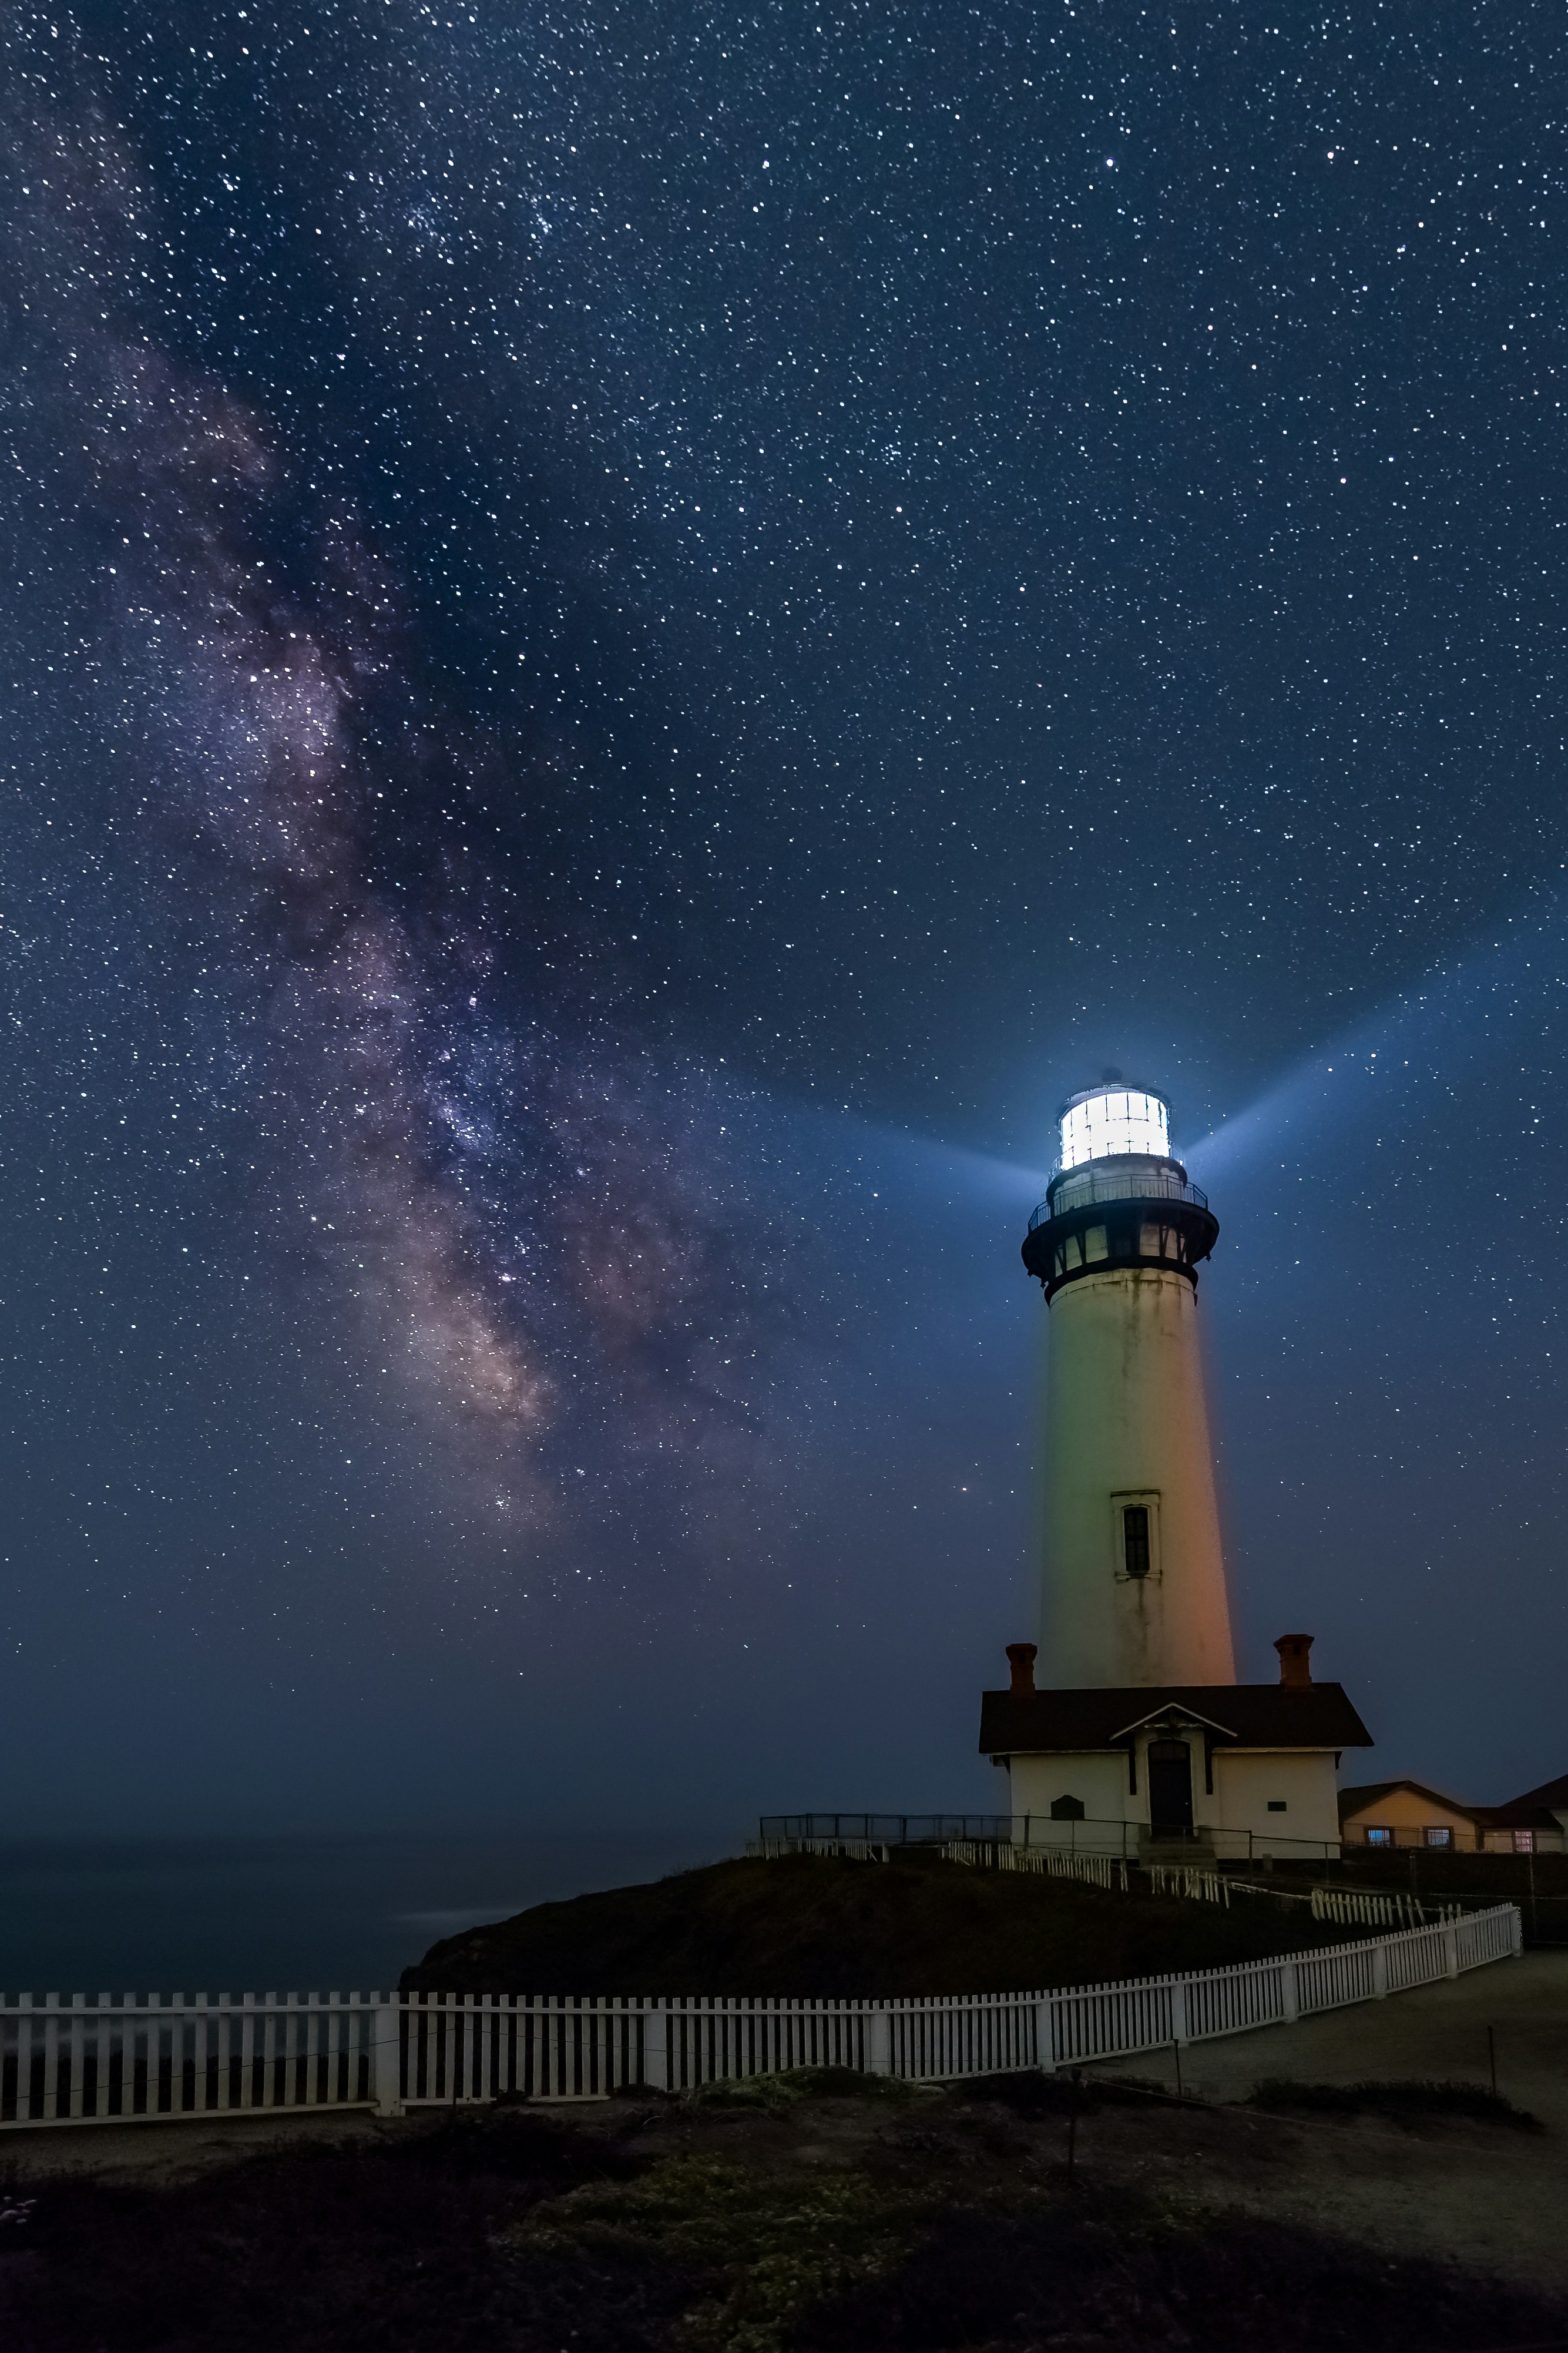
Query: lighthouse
1142,1733
1133,1582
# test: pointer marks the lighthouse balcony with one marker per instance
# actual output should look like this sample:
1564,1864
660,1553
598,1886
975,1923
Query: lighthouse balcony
1135,1212
1083,1188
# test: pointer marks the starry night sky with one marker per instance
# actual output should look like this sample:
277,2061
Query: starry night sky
634,637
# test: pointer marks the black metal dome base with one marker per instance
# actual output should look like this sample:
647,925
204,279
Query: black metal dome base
1126,1211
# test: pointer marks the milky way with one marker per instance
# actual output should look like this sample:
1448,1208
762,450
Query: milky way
486,1170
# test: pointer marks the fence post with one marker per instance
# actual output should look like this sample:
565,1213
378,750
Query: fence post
1179,2011
386,2059
1290,1993
1045,2054
1451,1951
1379,1969
656,2049
878,2043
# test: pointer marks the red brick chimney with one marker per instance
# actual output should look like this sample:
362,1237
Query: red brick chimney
1021,1659
1295,1660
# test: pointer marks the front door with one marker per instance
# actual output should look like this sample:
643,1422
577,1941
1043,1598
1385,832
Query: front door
1170,1787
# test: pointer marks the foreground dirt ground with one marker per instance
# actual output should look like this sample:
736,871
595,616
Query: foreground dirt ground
827,2213
1493,2200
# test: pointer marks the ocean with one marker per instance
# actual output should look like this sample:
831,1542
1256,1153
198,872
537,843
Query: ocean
315,1911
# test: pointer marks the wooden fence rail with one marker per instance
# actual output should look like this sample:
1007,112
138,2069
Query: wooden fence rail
68,2059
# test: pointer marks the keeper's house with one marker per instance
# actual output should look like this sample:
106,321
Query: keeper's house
1407,1813
1236,1768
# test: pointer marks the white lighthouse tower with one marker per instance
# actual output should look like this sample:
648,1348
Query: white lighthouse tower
1134,1579
1142,1733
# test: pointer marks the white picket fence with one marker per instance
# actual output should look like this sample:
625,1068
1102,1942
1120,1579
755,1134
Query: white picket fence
1360,1907
1350,1906
1107,1871
66,2060
1188,1879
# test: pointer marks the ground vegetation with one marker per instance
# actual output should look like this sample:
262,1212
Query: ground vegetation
810,2214
1406,2100
828,1925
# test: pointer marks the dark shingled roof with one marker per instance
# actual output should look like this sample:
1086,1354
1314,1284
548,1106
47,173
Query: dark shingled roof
1356,1801
1551,1794
1256,1715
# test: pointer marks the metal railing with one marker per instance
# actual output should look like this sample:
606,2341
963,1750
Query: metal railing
1083,1192
884,1830
852,1849
1086,1836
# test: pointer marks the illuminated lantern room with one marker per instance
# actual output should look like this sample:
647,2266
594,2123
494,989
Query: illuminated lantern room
1108,1120
1120,1197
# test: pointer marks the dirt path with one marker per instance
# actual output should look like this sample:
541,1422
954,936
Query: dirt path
155,2152
1479,2195
1436,2031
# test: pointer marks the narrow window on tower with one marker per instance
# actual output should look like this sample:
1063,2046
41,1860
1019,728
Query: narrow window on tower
1135,1534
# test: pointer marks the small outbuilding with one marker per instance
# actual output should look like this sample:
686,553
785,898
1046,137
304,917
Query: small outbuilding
1536,1823
1407,1813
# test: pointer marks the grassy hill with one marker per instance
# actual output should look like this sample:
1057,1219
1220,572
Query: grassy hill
819,1924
